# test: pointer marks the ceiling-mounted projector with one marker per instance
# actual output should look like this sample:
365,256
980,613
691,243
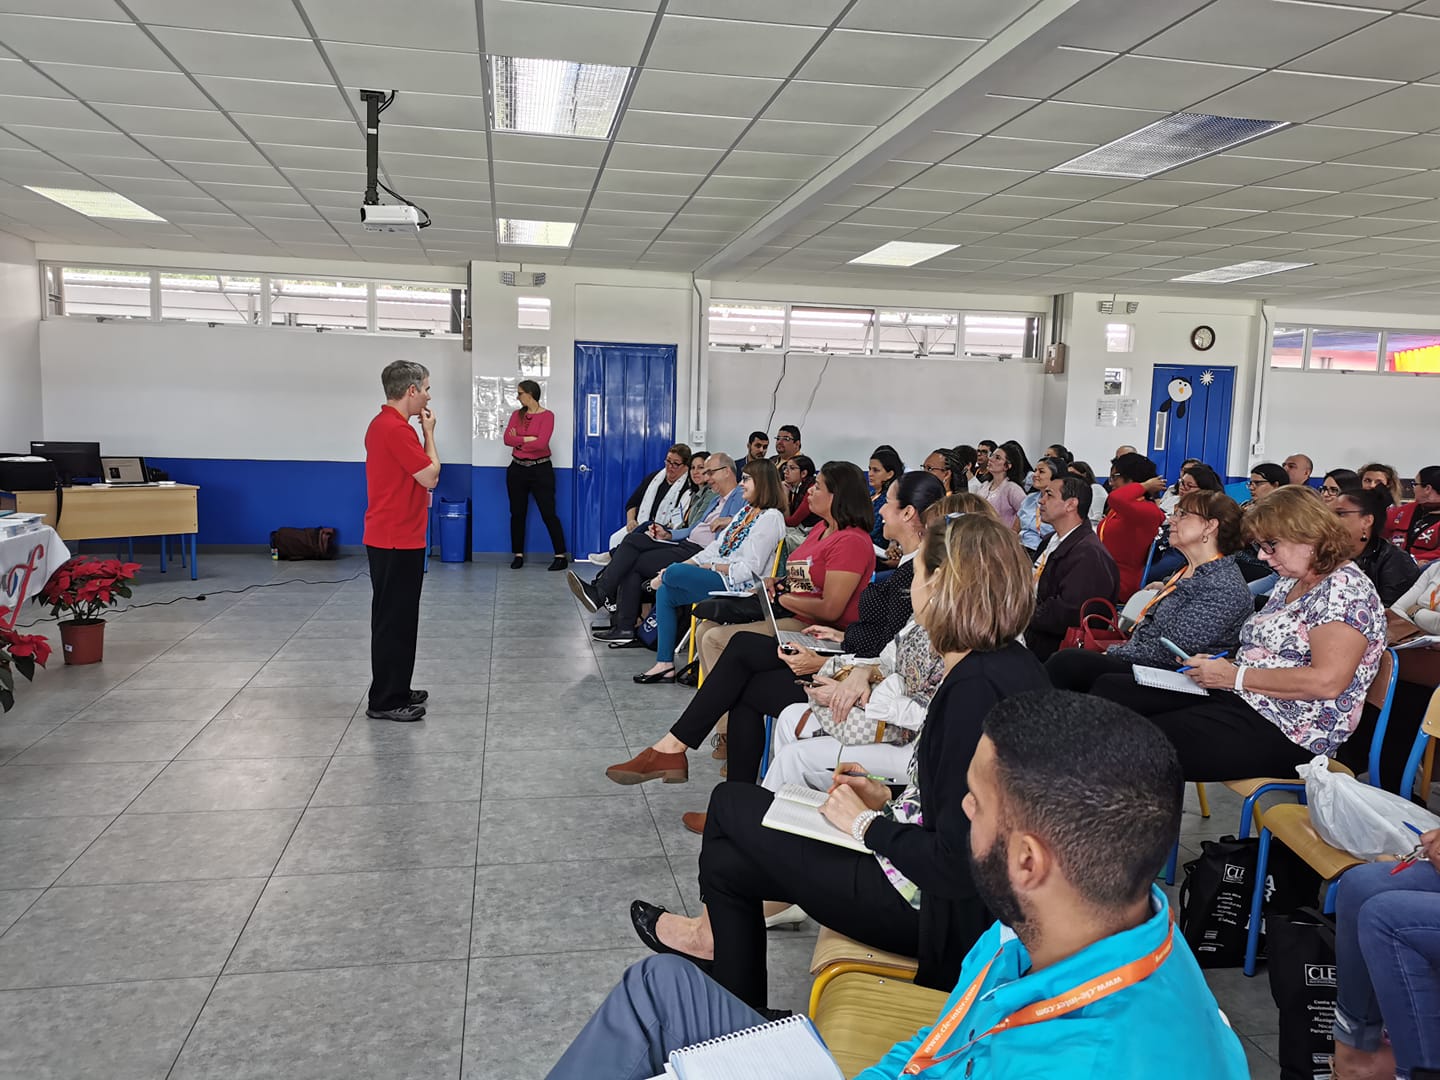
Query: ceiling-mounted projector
390,219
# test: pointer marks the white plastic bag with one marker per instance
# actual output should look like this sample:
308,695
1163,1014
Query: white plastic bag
1353,816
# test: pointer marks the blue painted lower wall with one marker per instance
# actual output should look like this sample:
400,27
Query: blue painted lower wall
241,501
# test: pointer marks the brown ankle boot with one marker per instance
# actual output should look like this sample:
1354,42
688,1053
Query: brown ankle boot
650,764
694,821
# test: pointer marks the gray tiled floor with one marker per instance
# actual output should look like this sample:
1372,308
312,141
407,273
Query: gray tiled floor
212,865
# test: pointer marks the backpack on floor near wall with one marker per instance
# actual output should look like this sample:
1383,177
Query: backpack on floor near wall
318,543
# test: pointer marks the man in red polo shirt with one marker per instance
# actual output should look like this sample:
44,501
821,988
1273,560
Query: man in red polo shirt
399,476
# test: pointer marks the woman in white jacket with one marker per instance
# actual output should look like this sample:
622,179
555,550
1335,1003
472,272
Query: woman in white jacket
741,556
1421,605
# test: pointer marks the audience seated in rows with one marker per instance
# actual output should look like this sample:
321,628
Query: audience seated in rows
655,497
1390,570
1265,478
750,676
798,474
1075,906
1194,476
787,444
1073,566
1028,526
1004,488
1383,476
1099,493
756,447
1415,527
1132,517
1339,481
1298,469
741,556
1200,607
910,894
1304,664
885,469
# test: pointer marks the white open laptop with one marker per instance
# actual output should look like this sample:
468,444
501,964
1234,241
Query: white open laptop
794,637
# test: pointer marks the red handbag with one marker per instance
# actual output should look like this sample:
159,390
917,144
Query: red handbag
1098,629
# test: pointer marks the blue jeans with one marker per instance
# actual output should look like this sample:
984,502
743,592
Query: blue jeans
681,585
1387,957
662,1003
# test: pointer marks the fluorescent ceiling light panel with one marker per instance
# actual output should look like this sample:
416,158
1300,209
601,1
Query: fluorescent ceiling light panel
534,233
1241,271
97,204
902,253
1166,144
555,97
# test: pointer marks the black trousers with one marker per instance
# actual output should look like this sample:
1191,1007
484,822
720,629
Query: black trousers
1219,737
396,576
522,481
1077,669
743,864
749,682
634,561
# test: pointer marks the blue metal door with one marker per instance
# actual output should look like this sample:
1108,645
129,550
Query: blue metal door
624,423
1190,406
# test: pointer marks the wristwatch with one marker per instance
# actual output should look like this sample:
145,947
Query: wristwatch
861,823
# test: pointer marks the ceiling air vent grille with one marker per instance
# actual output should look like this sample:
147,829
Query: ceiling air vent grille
1165,144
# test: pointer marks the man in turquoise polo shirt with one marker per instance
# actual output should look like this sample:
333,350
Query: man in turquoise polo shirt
1074,803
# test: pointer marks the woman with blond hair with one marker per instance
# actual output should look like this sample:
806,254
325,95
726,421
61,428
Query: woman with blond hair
1296,685
1383,476
911,892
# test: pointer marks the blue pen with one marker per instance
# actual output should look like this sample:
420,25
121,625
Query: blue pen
1415,829
1216,656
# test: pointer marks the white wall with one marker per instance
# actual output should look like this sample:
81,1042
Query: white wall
1162,336
20,398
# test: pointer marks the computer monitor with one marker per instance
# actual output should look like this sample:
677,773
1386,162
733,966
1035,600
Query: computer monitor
73,460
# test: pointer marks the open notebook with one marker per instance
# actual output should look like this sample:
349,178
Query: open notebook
796,809
790,1048
1162,679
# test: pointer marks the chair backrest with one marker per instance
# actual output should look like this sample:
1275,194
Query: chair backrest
1145,574
1429,729
779,554
1381,694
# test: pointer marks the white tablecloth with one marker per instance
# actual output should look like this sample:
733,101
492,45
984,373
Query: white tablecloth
26,563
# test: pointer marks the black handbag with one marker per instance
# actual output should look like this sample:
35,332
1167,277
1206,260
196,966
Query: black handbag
1219,886
1301,965
729,610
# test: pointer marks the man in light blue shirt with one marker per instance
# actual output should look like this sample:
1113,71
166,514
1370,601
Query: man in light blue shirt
1074,803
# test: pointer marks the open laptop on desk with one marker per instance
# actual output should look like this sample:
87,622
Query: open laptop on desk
794,637
123,471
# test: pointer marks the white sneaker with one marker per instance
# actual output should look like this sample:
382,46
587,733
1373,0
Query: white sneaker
599,558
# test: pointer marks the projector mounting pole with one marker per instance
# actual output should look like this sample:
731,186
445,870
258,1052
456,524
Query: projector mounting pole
373,100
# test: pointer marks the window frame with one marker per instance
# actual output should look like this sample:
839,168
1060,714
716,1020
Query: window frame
1382,351
53,271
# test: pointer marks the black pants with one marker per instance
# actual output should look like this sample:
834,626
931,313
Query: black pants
396,576
634,561
749,682
1077,669
522,481
1218,737
743,864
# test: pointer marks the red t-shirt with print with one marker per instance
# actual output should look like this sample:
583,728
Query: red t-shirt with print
395,514
847,550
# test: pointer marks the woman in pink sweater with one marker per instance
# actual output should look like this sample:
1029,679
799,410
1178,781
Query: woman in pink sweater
530,473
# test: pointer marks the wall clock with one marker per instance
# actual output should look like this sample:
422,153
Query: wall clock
1202,338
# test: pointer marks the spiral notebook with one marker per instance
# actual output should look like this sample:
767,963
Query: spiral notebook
796,809
1162,679
791,1048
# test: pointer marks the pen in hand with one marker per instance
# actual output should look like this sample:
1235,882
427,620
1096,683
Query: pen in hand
1217,656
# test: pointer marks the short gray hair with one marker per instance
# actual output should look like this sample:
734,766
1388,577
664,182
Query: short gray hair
715,460
398,377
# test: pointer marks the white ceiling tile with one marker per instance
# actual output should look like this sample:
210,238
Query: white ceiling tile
588,34
625,155
803,138
1291,95
1077,123
419,70
1420,184
656,182
443,24
727,47
1413,108
1418,151
1156,83
1357,204
211,52
302,131
624,5
62,141
770,166
740,208
1400,47
839,102
250,192
626,200
972,19
1341,177
317,157
1263,34
976,179
204,172
77,41
219,151
680,129
900,219
310,100
625,218
1209,218
471,192
153,120
1258,198
917,199
252,17
460,112
550,176
1233,169
861,56
123,86
17,77
428,165
295,211
936,146
51,112
1112,210
446,142
1032,155
690,92
131,168
68,9
546,150
1423,211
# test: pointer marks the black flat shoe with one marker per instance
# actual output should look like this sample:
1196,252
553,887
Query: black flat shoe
632,643
560,562
643,917
658,677
611,633
517,562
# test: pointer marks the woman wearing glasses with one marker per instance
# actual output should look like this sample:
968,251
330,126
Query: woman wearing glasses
1264,479
1339,481
1296,685
1200,607
1363,514
911,890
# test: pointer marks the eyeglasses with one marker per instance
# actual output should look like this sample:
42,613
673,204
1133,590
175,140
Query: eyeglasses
1329,492
1253,484
784,438
671,463
719,469
1348,513
936,470
1178,513
1267,546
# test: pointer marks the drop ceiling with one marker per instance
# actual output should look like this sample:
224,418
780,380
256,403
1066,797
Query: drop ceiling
763,140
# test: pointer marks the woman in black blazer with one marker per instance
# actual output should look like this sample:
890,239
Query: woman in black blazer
911,892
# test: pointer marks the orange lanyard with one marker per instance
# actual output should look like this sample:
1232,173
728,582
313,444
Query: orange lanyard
1076,998
1166,589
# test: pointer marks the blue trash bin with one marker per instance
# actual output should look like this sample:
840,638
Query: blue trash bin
454,519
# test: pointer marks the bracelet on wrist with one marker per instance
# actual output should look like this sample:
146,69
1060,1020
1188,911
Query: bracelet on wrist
1239,678
861,823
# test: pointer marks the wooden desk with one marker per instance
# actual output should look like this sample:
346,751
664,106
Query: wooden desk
96,513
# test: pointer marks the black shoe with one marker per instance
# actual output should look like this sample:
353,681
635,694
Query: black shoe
643,917
689,675
560,562
775,1014
403,714
517,562
665,676
419,697
630,643
585,591
612,634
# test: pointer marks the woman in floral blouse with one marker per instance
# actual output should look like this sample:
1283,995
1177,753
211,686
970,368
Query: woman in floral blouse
1296,686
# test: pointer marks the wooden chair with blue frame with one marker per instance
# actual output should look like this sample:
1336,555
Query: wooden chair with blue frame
1290,822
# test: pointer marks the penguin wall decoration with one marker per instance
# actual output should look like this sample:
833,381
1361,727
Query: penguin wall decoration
1180,392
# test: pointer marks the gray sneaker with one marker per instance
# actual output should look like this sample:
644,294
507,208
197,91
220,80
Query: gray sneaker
403,714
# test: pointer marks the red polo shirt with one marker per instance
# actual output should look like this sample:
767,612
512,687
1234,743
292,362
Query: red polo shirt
395,516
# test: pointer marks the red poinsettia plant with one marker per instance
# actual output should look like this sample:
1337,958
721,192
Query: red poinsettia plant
20,652
86,587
